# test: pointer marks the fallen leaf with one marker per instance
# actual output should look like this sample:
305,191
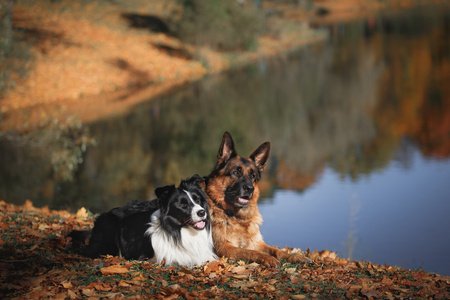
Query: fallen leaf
82,214
43,226
328,254
164,283
238,270
213,267
138,278
88,292
66,285
240,276
253,266
298,297
244,284
115,269
124,283
290,270
102,287
71,294
28,205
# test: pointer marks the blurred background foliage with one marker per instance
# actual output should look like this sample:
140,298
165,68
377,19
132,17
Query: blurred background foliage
14,50
221,24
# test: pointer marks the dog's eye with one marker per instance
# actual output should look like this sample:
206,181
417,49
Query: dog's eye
237,172
183,204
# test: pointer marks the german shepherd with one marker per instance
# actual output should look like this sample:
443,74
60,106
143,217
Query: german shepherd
232,190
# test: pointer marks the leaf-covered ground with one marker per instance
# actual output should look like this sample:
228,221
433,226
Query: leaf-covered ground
37,262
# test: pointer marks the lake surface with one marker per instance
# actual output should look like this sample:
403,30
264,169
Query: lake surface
360,134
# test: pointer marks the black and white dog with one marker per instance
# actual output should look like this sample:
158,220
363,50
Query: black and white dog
175,228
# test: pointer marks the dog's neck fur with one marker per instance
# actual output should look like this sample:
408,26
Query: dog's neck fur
194,247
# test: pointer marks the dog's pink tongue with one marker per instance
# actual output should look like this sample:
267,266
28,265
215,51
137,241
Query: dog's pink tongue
243,200
200,224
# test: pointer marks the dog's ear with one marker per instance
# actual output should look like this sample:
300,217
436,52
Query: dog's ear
163,192
261,155
226,149
197,179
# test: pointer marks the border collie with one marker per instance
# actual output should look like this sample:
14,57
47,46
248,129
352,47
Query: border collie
175,228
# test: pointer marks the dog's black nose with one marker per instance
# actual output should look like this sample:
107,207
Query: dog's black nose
248,188
201,213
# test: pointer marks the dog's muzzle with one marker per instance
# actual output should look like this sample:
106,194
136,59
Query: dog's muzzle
200,224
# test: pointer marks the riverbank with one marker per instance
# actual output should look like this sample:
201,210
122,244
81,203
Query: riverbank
88,61
37,262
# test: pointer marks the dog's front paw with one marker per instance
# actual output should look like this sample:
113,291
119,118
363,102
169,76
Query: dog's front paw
269,261
299,259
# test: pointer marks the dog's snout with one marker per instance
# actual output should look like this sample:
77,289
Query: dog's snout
201,213
249,188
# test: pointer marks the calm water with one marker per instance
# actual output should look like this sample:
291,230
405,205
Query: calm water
360,133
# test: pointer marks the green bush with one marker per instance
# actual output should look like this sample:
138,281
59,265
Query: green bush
221,24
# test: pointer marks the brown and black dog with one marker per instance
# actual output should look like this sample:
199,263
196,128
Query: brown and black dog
232,190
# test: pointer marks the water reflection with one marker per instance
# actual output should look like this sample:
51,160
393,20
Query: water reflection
376,93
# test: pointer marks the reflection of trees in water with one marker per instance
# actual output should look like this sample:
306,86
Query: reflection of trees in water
352,237
309,113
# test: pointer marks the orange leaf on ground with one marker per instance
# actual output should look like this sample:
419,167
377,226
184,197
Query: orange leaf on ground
238,270
66,284
102,287
82,214
28,205
214,267
115,269
89,292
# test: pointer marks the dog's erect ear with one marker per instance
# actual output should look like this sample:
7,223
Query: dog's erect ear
163,192
226,149
261,155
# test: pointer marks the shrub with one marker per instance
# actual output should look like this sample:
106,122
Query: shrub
221,24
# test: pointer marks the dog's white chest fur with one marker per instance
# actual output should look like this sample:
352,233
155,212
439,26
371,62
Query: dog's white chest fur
194,249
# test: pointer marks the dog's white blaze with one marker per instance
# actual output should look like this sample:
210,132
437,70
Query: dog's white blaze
195,248
195,209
